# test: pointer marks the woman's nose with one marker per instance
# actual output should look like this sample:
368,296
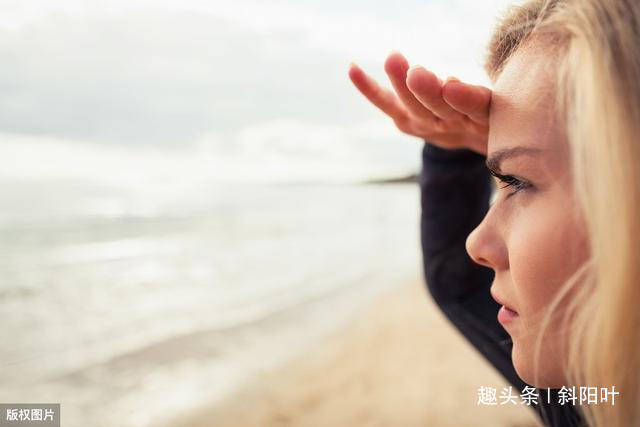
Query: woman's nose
485,246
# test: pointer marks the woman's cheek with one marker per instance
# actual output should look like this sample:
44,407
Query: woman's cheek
536,258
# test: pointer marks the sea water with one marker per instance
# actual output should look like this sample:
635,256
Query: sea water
130,307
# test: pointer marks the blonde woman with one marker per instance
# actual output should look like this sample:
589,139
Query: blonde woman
556,243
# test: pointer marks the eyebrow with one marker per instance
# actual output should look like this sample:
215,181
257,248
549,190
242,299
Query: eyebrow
493,161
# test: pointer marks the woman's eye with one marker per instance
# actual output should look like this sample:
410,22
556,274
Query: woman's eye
515,183
510,181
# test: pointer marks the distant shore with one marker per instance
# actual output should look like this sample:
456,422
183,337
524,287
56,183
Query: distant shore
399,180
400,364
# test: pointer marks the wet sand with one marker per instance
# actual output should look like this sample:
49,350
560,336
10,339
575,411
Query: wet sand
400,363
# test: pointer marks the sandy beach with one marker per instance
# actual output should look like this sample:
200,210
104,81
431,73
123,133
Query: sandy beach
399,363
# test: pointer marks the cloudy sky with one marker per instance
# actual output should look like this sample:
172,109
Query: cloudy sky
234,90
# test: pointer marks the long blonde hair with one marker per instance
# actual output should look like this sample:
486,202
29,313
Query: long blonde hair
596,45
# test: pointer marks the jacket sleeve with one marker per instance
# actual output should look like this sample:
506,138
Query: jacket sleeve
455,190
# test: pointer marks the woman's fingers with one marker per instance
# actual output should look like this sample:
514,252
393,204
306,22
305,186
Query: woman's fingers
471,100
427,88
452,113
382,98
396,67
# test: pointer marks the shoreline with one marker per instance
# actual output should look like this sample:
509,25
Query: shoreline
399,362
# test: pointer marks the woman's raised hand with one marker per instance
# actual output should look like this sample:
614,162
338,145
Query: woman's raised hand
450,114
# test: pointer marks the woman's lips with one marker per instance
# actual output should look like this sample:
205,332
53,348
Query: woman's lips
506,315
500,301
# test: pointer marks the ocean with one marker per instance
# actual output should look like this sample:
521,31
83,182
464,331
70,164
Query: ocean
130,307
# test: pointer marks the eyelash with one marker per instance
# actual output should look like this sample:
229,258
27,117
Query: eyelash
510,181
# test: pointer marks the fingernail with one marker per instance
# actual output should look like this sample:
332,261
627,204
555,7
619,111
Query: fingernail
451,79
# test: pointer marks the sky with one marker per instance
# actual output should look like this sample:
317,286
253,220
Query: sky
218,90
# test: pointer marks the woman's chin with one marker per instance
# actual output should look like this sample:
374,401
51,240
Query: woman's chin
523,364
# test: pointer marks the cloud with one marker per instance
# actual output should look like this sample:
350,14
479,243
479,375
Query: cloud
169,72
273,151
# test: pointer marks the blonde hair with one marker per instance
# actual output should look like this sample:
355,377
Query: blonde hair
596,46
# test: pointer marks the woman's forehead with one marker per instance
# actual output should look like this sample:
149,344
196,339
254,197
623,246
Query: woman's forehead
522,104
525,86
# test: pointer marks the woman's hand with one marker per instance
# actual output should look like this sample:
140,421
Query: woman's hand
450,114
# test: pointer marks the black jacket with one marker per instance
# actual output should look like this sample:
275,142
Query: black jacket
455,190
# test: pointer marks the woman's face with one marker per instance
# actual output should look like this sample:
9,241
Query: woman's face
533,236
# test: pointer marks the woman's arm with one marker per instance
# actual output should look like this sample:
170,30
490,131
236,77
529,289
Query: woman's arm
455,191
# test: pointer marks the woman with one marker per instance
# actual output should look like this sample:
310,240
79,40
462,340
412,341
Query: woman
557,246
